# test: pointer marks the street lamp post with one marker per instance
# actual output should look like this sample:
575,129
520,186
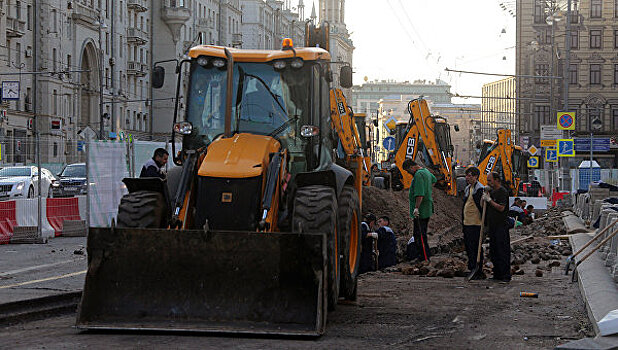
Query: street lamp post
101,26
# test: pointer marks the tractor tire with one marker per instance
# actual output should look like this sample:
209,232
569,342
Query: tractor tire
315,210
349,220
142,209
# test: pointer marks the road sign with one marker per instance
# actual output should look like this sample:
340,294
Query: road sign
548,143
390,123
532,150
566,148
389,143
80,146
551,155
598,144
533,162
566,120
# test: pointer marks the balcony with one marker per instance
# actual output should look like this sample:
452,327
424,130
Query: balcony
237,39
175,17
136,68
136,36
205,23
84,14
137,5
15,28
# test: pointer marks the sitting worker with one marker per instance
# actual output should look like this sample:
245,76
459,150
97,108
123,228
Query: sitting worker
515,210
368,236
387,243
528,218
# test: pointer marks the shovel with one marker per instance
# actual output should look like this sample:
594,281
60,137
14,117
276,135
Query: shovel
592,251
478,269
571,257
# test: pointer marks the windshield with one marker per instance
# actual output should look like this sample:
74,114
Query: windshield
15,172
516,161
485,150
74,171
265,101
443,138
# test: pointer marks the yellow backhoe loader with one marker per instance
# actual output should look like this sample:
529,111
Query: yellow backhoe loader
503,156
258,229
431,137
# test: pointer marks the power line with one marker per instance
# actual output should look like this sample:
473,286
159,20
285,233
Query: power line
504,75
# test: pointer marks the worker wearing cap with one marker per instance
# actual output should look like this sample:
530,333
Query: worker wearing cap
421,203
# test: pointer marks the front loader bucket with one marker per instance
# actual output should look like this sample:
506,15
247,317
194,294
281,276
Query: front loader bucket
190,280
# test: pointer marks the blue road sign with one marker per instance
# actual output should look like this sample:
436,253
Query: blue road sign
551,155
389,143
566,148
533,162
80,146
598,144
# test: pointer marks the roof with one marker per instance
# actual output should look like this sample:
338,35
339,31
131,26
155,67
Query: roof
242,55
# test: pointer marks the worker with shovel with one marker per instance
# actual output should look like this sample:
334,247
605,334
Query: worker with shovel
421,204
471,214
497,200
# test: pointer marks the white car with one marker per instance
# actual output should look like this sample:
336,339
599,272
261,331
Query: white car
22,182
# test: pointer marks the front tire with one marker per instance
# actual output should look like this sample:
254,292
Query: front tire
142,209
350,232
315,210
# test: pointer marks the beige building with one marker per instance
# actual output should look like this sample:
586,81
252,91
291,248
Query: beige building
592,72
464,120
498,108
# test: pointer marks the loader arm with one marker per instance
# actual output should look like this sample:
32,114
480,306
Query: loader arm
433,133
501,154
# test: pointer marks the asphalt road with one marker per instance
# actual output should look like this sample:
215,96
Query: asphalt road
393,311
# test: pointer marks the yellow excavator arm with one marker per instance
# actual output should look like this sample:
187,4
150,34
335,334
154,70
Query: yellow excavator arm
500,157
433,133
342,120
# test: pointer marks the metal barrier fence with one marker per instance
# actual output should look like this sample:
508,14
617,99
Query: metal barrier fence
77,185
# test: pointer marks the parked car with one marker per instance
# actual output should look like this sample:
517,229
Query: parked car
71,181
22,182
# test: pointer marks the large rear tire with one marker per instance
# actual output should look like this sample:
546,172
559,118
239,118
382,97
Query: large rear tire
315,210
142,209
350,232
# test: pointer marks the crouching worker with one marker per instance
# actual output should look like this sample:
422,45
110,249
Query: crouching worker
387,243
369,252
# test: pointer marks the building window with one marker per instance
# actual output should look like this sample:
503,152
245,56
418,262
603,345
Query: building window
54,60
540,116
69,68
29,17
596,7
541,70
616,38
18,9
595,39
574,39
595,74
18,54
615,74
615,118
55,149
573,74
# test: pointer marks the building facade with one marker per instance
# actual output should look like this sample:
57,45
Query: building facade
498,108
341,47
465,121
591,75
266,23
366,97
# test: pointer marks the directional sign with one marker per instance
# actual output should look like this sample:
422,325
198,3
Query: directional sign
390,123
548,143
533,162
389,143
566,120
533,150
598,144
566,148
551,155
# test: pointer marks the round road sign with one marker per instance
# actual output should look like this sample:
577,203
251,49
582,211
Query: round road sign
565,120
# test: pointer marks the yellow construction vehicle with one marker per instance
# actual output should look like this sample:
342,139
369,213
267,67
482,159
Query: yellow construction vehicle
350,146
258,230
503,156
431,136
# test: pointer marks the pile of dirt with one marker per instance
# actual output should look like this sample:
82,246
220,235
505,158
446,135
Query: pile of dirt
550,224
444,226
447,267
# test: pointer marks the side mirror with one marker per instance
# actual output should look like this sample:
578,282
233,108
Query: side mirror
345,77
456,127
158,77
375,122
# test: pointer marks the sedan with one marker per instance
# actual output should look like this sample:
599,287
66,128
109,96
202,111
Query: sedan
71,181
22,182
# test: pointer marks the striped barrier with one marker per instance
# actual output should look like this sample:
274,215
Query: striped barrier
24,213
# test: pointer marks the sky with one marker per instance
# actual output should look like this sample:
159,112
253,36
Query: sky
406,40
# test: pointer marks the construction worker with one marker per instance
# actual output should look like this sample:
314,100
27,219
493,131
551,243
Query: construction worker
497,227
471,215
153,166
367,236
421,204
387,243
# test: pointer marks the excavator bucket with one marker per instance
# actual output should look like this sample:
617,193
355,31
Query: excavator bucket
191,280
